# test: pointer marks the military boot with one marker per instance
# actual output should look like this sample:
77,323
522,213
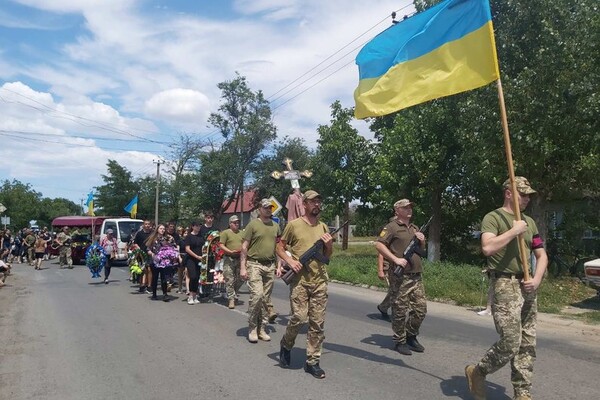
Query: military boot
262,335
253,336
414,344
285,357
315,370
523,397
231,304
476,382
272,316
403,348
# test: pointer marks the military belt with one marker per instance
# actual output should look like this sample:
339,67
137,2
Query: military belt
262,262
507,275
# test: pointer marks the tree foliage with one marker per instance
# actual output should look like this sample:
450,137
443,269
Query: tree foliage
244,120
341,162
180,183
449,153
294,149
117,191
24,204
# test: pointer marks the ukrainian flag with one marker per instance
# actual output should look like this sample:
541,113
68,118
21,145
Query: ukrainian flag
446,49
90,204
131,208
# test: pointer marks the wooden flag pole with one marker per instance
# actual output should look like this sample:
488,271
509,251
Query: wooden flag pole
513,183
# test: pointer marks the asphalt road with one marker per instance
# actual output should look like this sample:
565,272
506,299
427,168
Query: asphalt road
67,336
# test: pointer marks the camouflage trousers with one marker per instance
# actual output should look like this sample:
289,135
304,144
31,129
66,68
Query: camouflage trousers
409,305
65,256
30,254
515,314
231,272
308,302
386,303
260,283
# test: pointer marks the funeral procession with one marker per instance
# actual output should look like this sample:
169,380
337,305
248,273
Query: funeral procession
301,199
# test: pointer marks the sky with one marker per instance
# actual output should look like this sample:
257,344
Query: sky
85,81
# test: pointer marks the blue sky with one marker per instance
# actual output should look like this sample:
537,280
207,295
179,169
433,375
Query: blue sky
84,81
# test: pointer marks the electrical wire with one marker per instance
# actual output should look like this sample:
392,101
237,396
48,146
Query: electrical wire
311,77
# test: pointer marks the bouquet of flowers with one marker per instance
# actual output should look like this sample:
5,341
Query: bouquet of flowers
95,259
166,257
218,277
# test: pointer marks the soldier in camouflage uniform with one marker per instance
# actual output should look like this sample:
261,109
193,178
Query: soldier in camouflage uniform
230,242
64,241
257,265
514,305
383,267
308,290
409,305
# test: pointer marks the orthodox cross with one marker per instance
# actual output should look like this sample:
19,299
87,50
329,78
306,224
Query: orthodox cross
291,174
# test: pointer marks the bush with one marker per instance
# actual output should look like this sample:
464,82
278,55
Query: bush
460,283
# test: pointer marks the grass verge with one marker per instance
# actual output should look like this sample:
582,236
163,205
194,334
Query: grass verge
465,285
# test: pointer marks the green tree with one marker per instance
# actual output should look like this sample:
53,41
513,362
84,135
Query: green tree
216,182
147,197
117,191
24,204
184,160
244,119
21,203
294,149
340,163
52,208
548,53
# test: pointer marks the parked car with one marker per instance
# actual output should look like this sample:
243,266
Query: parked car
592,273
123,229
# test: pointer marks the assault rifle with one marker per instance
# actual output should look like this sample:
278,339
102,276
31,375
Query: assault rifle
314,253
414,247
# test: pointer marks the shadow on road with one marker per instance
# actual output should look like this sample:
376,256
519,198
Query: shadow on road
298,358
456,386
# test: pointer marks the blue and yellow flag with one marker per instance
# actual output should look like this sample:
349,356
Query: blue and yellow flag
90,204
131,208
446,49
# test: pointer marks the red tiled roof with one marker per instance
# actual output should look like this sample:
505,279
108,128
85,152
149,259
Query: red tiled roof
244,205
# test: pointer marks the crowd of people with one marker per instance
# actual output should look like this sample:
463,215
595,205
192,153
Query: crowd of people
261,252
27,245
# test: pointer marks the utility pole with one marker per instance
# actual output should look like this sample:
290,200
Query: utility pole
157,162
81,205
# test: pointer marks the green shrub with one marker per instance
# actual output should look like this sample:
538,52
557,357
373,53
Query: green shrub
461,284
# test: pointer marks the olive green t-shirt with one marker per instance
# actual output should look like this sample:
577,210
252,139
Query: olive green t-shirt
299,236
30,240
396,237
262,238
507,259
231,240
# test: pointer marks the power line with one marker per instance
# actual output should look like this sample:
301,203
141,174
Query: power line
98,124
76,137
74,144
285,92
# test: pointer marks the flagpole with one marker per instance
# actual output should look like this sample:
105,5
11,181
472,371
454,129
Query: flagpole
511,175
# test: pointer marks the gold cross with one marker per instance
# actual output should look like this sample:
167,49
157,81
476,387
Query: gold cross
291,174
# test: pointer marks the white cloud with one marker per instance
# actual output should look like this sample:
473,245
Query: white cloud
138,70
180,106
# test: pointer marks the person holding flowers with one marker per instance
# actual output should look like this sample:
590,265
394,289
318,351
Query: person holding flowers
163,251
110,246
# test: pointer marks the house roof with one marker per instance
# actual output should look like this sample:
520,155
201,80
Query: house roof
77,220
238,205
